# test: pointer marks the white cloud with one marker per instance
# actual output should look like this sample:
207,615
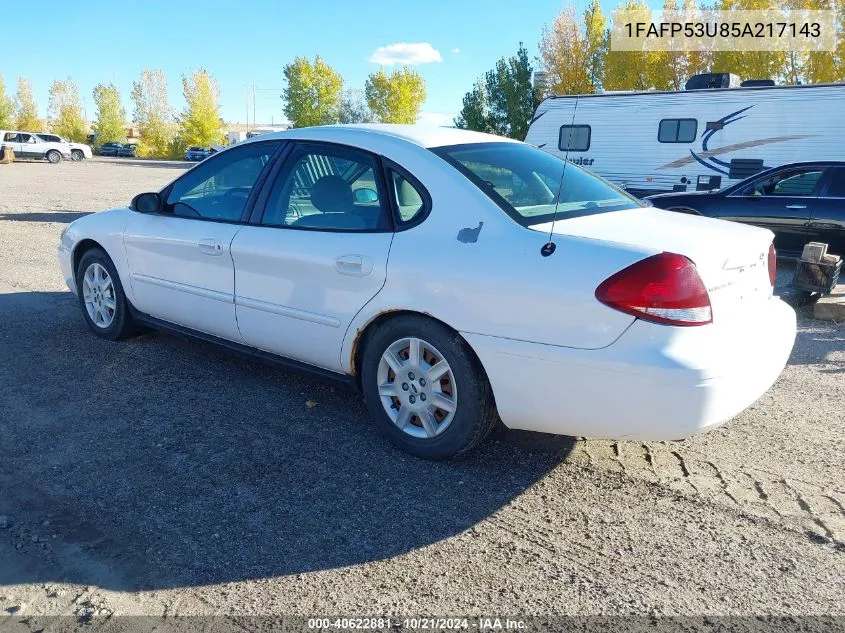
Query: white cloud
406,53
436,118
456,50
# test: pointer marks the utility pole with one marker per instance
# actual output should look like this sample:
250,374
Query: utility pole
254,121
247,108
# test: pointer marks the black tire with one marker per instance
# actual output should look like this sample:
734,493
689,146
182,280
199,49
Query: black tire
475,414
122,325
54,157
77,155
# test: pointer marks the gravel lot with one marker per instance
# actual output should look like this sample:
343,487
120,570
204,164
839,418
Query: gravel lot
163,476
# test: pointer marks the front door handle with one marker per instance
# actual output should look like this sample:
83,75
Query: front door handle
210,246
355,265
796,206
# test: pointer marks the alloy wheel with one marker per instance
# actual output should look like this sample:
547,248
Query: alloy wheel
98,295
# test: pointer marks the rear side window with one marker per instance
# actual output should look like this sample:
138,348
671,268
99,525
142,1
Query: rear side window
837,184
677,130
410,201
574,138
327,188
524,181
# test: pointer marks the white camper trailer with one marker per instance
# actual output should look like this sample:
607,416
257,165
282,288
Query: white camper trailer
692,140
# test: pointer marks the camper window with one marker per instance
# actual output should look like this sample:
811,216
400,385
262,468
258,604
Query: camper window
574,138
677,130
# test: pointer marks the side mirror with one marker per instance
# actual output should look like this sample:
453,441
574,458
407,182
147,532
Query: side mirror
146,203
365,195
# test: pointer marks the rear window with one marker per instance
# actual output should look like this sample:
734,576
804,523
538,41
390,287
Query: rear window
524,181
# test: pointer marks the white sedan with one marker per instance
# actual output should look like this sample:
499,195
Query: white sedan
455,278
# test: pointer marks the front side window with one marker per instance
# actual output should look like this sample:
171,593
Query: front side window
677,130
574,138
218,189
525,181
327,188
789,183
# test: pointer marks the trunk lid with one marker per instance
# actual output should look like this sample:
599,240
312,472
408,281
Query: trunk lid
731,258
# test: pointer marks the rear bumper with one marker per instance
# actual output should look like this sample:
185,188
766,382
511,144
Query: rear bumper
654,383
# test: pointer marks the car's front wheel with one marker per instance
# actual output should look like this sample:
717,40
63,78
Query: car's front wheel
425,388
54,156
101,297
77,156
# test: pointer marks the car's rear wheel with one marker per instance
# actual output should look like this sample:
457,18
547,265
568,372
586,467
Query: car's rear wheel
54,156
425,388
104,305
77,155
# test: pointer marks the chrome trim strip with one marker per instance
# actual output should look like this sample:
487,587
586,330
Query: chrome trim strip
192,290
293,313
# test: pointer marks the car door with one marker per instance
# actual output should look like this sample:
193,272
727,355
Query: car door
179,258
31,146
12,140
317,254
827,221
782,202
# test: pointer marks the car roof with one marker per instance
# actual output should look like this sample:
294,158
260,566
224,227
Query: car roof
419,134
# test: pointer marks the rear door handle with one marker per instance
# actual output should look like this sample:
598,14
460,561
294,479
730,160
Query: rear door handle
355,265
210,246
796,206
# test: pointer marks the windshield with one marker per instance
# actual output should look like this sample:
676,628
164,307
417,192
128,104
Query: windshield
524,181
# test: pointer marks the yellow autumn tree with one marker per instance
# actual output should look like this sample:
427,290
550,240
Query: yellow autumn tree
674,68
153,114
637,70
65,110
7,108
200,123
750,64
573,51
26,110
397,97
313,93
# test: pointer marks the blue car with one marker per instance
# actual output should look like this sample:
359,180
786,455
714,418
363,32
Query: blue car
197,153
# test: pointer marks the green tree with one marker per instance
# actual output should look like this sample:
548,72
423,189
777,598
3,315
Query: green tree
397,97
7,108
110,125
511,98
26,110
200,122
474,114
65,110
153,114
312,93
504,101
353,108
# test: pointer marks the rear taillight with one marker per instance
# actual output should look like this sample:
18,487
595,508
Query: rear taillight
773,265
663,288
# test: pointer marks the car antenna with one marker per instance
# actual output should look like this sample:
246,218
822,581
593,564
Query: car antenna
549,247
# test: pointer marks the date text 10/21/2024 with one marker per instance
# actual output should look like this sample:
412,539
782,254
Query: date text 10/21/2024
421,623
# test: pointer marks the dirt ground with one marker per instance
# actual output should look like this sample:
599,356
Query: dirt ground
163,476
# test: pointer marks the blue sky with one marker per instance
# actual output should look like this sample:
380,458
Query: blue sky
247,42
